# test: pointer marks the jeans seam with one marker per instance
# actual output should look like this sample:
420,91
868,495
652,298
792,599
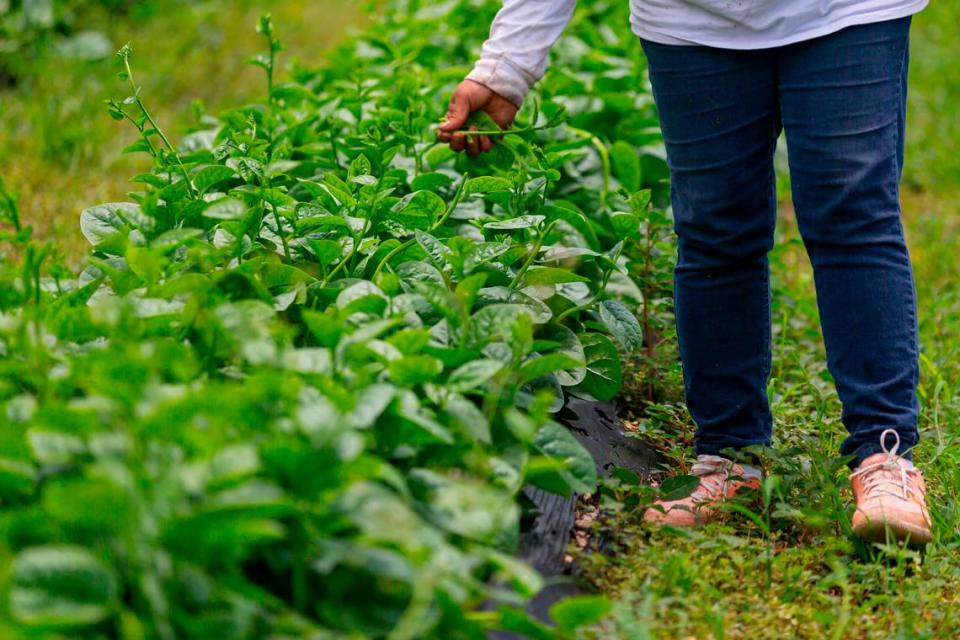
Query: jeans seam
768,308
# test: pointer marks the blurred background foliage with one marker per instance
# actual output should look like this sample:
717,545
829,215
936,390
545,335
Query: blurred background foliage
58,147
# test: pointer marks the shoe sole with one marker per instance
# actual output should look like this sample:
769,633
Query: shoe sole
876,532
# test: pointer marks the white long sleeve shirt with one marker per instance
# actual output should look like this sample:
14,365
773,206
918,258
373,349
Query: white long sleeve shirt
515,56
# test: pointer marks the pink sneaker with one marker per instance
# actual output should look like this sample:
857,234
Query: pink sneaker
720,479
891,496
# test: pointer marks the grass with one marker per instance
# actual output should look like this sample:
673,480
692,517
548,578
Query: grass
61,151
802,575
934,128
787,567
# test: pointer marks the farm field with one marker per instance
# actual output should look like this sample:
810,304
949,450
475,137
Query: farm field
290,370
60,152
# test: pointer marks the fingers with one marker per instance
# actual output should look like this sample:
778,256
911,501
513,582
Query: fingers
458,141
473,144
467,97
457,113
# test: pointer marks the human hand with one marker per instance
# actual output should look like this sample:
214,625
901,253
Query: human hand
470,97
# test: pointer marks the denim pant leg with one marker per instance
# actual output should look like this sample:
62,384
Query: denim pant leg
720,117
843,107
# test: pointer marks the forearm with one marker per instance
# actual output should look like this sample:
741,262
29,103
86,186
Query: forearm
515,56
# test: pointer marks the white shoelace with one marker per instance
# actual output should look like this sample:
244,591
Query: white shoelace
714,471
896,483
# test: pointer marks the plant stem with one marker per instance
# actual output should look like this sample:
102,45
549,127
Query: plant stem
505,132
457,198
533,255
396,250
156,127
604,158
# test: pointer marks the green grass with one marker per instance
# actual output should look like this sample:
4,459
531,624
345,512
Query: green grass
934,128
806,577
792,570
61,151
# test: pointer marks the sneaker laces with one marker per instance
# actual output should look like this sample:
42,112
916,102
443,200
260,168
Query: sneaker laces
896,482
714,471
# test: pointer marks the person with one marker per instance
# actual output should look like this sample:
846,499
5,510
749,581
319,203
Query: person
728,76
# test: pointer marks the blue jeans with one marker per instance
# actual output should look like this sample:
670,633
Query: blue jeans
841,99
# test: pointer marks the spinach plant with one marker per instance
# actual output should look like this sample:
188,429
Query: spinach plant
314,360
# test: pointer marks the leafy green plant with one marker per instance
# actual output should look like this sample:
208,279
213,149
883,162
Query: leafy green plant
314,360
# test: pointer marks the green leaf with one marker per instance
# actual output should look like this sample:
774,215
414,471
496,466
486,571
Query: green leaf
640,201
174,238
60,586
326,251
54,447
524,577
416,274
435,249
473,374
625,225
487,184
626,164
339,189
225,209
542,365
433,181
439,154
371,402
604,375
140,146
551,275
678,487
67,501
622,324
560,253
358,291
519,622
466,507
410,341
468,289
579,611
17,479
211,175
106,220
521,222
566,342
579,470
413,370
466,413
498,320
483,253
419,210
360,166
483,121
539,312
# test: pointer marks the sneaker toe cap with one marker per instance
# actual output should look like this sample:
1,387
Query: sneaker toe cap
673,515
904,520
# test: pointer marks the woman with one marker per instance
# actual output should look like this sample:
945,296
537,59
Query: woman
728,76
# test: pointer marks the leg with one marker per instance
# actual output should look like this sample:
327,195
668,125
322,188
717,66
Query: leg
843,105
720,117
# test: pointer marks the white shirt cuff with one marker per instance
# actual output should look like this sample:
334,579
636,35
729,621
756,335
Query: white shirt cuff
502,77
